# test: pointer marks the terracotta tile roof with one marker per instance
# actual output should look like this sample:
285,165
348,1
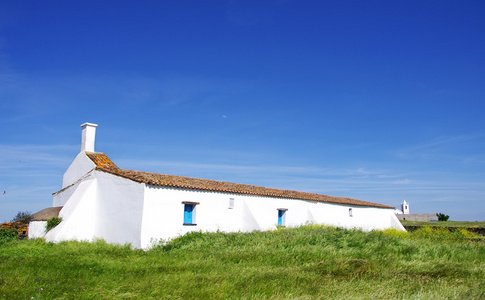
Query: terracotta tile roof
103,163
101,160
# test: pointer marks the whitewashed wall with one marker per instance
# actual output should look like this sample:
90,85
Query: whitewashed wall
163,214
80,166
118,210
78,213
37,229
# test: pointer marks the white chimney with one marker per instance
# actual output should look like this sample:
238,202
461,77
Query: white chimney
88,137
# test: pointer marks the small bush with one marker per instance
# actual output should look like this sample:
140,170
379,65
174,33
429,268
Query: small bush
442,217
7,234
23,216
53,223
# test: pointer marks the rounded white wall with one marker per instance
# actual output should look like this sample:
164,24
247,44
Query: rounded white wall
78,212
101,206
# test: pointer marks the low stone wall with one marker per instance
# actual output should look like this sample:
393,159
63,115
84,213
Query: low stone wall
21,228
477,230
417,217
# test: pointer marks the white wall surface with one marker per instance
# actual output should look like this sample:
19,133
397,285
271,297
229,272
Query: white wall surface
37,229
80,166
101,206
60,198
163,214
119,209
78,213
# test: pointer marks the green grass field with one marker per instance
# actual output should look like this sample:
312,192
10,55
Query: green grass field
311,262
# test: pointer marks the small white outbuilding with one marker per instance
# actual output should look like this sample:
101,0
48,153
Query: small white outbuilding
101,201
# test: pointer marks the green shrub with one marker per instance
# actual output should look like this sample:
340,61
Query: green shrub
23,216
442,217
7,234
53,223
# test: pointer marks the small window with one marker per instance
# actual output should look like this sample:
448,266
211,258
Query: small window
350,212
189,212
231,203
282,216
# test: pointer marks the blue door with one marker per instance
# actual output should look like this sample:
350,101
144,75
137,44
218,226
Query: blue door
188,209
280,217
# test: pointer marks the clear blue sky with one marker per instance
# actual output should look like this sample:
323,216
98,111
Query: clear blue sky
376,100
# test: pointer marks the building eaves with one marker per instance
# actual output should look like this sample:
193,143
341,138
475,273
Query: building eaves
155,179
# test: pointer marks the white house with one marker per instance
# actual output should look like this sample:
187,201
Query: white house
100,200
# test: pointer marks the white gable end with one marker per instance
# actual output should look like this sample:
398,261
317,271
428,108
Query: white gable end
79,167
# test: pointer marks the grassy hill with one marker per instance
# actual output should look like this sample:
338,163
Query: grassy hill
311,262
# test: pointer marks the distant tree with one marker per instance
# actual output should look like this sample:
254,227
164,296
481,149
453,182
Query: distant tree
442,217
22,216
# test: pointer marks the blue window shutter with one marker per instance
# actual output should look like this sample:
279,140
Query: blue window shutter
188,213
